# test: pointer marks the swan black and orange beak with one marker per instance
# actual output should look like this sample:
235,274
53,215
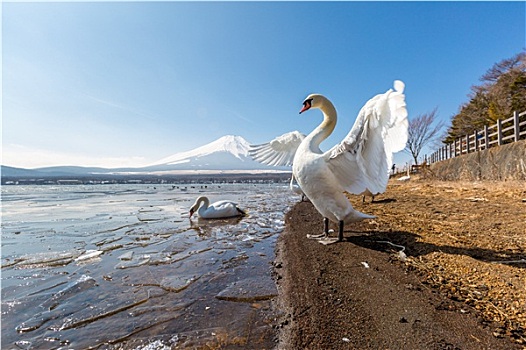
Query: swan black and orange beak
191,212
306,105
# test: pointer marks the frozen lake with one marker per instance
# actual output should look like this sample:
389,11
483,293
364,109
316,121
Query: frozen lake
123,267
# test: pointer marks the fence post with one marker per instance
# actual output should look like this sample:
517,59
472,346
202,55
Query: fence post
476,135
499,132
467,143
516,127
455,148
486,137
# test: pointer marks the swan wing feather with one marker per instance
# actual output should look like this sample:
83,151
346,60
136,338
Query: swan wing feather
278,152
221,209
363,159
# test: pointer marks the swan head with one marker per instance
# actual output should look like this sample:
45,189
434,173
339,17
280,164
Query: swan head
314,101
193,209
197,204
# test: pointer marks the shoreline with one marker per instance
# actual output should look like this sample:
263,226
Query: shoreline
358,295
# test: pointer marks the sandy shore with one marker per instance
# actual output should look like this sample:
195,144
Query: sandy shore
359,294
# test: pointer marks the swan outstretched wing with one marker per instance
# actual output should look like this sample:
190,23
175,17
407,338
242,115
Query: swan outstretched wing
363,159
278,152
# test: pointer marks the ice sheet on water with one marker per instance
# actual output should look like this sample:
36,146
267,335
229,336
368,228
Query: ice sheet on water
140,247
126,256
156,345
49,309
80,285
249,290
112,304
134,262
49,258
178,283
89,254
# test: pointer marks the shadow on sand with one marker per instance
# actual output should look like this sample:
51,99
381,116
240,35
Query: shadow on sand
415,248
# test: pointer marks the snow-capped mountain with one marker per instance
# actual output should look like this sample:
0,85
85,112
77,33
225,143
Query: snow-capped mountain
226,153
234,145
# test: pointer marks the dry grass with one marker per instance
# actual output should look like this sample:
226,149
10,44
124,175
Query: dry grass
467,239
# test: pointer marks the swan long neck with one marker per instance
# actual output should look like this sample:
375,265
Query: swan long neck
325,128
204,200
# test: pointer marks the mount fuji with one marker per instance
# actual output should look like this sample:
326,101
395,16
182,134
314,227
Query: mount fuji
226,154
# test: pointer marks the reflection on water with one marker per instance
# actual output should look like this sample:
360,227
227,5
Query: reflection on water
123,267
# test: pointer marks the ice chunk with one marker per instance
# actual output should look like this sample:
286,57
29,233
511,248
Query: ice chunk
249,290
178,283
89,254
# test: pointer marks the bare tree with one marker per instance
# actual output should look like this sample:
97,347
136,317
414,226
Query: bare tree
421,132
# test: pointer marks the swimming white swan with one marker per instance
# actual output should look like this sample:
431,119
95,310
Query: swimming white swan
360,162
216,210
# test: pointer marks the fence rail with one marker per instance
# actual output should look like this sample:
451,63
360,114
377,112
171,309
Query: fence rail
505,131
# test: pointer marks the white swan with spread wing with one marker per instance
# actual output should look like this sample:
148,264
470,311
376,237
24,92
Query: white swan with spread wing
217,210
360,162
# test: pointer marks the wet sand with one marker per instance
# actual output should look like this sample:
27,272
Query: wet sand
359,294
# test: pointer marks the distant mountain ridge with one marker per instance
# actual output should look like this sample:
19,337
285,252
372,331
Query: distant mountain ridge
228,153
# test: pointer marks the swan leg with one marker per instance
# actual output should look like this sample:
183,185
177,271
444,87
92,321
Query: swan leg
340,231
325,239
325,233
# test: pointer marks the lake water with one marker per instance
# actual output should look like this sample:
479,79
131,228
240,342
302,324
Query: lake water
123,267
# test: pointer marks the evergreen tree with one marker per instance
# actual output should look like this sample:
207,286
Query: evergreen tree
503,91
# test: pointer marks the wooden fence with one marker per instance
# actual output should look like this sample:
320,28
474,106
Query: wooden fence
505,131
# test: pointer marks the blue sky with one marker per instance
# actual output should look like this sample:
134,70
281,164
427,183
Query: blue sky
128,83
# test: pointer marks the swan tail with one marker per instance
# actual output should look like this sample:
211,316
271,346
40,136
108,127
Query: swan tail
355,216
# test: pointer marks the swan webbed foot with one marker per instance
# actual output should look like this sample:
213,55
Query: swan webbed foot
320,236
323,238
328,240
